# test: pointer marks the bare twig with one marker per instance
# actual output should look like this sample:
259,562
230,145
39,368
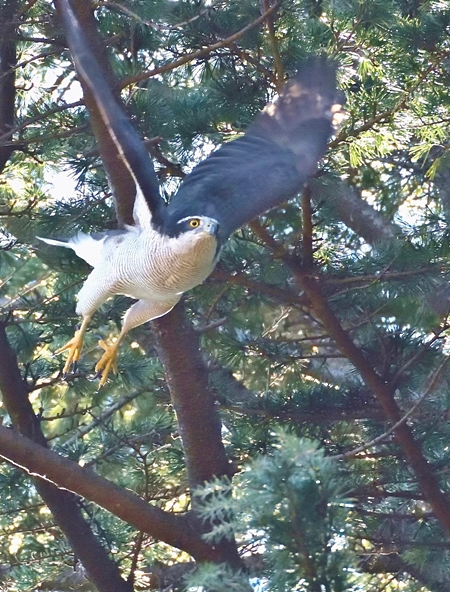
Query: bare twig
39,117
104,416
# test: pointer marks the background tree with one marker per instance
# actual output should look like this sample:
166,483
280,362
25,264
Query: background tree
287,425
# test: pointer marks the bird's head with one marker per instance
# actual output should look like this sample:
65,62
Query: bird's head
196,236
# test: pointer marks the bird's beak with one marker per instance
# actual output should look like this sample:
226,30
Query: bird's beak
213,228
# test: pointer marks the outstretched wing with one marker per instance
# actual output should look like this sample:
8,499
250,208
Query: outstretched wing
270,164
129,144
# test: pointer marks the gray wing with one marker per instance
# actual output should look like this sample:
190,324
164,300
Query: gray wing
128,143
270,164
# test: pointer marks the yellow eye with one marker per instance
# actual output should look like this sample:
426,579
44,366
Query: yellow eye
194,223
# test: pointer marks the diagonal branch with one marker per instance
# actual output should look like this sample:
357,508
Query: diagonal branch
355,213
28,122
64,506
120,180
111,410
412,451
401,104
52,469
201,53
383,437
384,391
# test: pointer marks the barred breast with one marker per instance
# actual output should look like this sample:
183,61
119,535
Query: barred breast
150,264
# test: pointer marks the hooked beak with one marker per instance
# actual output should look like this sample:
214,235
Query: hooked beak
213,227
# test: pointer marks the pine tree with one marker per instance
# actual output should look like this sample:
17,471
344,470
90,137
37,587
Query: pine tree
286,426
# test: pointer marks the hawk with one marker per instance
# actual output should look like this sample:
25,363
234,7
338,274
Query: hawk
173,247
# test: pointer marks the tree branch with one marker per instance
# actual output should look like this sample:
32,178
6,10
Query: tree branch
187,377
384,391
426,478
44,464
120,180
354,212
431,384
64,506
5,136
201,53
111,410
274,46
193,401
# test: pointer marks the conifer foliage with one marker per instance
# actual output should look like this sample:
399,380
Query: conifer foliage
286,426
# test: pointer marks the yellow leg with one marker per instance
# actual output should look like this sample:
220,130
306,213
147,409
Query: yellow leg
108,361
74,345
141,312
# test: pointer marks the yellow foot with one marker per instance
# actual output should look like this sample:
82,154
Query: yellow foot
74,346
108,361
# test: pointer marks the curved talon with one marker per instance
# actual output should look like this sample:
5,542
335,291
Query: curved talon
74,346
107,362
93,377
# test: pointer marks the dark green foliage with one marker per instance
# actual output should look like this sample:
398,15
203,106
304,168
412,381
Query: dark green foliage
289,508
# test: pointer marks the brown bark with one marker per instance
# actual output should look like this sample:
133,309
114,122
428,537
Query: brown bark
48,468
204,52
39,461
121,183
64,506
392,562
187,377
355,213
198,420
8,60
384,392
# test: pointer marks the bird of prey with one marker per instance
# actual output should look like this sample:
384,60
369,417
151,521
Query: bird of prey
172,248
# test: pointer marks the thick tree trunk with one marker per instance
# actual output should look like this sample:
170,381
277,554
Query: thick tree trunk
178,348
193,401
8,61
119,178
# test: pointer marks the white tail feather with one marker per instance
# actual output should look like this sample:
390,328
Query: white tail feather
55,243
84,245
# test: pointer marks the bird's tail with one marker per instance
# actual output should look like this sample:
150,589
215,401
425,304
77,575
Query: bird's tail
56,243
87,246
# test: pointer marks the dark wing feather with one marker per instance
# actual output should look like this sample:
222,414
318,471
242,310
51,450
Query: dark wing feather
270,164
129,144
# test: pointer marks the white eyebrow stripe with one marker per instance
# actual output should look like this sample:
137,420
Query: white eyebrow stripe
189,218
198,218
